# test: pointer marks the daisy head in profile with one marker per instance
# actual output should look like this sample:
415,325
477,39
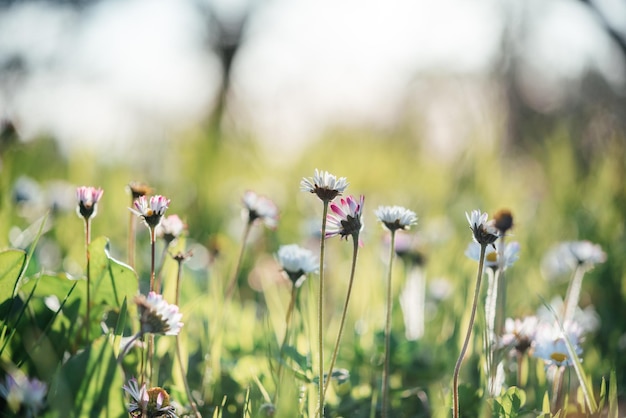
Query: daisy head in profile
345,218
325,185
483,230
88,198
258,207
396,217
157,316
297,262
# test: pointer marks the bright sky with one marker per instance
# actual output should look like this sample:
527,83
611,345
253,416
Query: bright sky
120,71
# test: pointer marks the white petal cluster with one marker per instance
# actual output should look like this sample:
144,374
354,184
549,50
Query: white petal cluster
396,217
158,316
260,207
297,262
323,180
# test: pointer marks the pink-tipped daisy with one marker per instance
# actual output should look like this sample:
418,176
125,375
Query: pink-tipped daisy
151,403
88,198
345,218
157,316
170,228
151,211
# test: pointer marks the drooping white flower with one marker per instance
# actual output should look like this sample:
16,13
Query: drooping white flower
261,208
565,257
297,262
170,228
157,316
519,334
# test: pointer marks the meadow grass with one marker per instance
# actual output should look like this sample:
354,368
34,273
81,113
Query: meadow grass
231,346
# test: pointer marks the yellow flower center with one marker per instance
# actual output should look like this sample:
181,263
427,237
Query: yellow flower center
492,257
558,357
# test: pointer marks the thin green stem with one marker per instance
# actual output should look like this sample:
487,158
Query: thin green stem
87,242
355,240
192,402
385,388
320,315
130,342
233,281
183,373
457,367
288,318
151,336
159,279
501,295
152,257
131,237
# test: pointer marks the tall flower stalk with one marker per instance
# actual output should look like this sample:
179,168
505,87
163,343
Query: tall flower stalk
346,222
297,263
393,218
87,208
584,256
327,187
180,259
170,228
484,234
256,208
151,211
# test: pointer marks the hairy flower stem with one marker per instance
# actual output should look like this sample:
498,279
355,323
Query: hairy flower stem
457,367
320,313
88,265
132,223
355,240
151,336
233,281
385,389
158,274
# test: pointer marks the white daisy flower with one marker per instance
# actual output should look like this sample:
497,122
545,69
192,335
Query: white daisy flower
396,217
157,316
511,254
484,231
325,185
550,343
297,262
261,208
